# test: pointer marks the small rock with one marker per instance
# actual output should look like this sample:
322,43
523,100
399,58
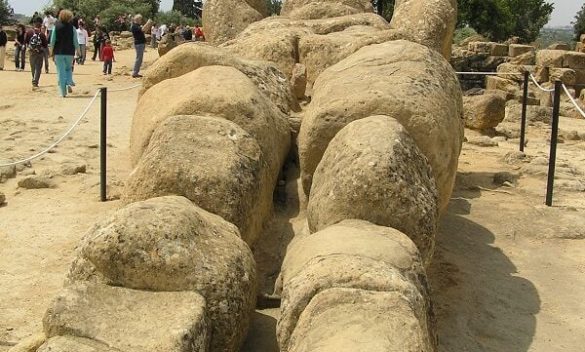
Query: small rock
7,172
35,182
514,157
73,169
572,136
501,178
508,184
482,141
539,161
93,146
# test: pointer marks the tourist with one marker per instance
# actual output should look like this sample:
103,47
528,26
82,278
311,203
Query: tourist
108,56
20,48
188,34
3,42
199,36
154,35
49,23
139,44
37,43
46,49
82,38
64,44
98,41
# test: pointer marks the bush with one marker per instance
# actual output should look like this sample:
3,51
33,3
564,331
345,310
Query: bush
168,17
463,33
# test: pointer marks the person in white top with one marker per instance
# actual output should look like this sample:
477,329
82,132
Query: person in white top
82,38
49,23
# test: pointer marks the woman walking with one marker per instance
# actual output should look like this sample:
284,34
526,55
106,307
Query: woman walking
65,45
20,48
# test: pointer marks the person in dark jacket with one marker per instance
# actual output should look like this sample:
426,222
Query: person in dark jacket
20,48
37,44
139,44
64,44
3,42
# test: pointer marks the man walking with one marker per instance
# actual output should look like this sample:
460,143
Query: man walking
3,42
37,43
139,44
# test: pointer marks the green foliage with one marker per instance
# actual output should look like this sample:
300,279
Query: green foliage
384,7
550,36
499,20
579,23
6,13
463,33
168,17
274,7
189,8
109,10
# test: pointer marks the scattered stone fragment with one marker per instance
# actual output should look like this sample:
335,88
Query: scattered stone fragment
70,169
501,178
7,172
30,344
35,182
482,141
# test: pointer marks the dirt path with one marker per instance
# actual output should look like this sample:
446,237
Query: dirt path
508,275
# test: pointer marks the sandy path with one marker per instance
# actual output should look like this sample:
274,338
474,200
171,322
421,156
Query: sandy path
40,228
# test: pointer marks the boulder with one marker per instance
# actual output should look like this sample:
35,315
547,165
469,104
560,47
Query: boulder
219,91
541,74
30,344
191,56
480,47
511,71
499,50
224,19
374,258
501,84
312,9
130,320
574,60
298,81
168,244
372,170
484,111
565,75
212,162
534,113
427,22
363,321
7,172
550,58
515,50
528,58
388,79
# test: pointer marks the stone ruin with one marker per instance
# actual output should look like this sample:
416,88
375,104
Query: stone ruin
378,148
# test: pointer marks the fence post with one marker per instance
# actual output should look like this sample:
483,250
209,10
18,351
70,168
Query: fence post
553,144
103,142
524,103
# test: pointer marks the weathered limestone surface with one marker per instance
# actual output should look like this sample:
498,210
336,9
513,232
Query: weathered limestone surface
384,79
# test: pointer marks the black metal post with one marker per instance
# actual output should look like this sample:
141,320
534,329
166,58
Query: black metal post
553,144
524,103
103,142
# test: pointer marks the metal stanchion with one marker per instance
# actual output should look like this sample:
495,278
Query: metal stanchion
103,142
553,143
524,103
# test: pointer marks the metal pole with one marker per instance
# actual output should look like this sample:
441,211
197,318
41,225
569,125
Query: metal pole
524,103
553,144
103,142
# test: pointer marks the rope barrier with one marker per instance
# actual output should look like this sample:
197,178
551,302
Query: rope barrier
489,73
65,135
573,101
124,89
539,86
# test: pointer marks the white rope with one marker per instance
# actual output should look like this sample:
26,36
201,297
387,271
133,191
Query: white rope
539,86
123,89
490,73
573,101
46,150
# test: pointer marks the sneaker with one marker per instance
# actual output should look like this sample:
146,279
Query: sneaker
137,76
47,71
69,89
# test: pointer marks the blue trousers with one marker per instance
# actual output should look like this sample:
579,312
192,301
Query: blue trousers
139,55
64,64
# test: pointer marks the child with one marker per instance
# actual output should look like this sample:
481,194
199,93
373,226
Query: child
108,56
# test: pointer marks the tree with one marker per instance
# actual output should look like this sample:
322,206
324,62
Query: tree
579,23
499,20
6,12
109,10
274,7
189,8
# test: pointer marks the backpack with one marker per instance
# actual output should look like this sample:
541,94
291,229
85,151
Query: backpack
36,42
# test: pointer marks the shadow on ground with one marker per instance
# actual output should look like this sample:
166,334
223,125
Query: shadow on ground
480,304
